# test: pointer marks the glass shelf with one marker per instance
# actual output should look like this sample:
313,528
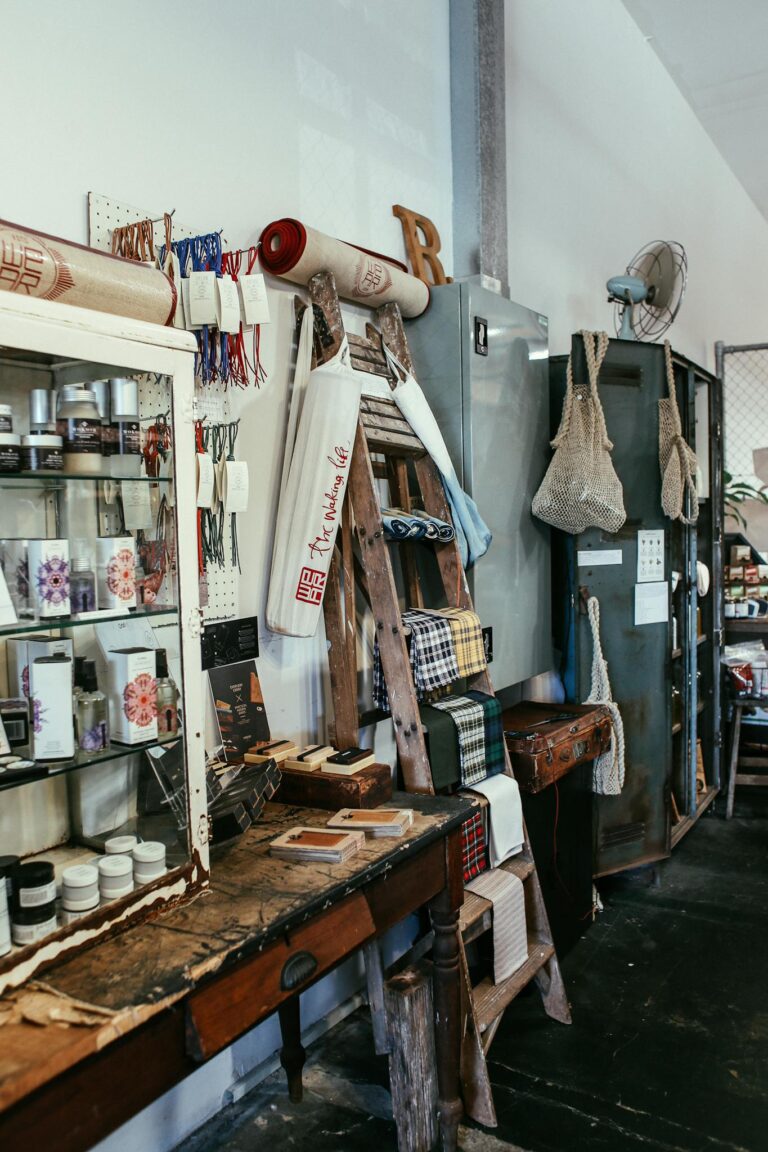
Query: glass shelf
57,481
53,623
49,770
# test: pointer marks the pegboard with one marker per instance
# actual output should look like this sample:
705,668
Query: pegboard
214,401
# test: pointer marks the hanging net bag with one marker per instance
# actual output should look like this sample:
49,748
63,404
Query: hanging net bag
676,459
607,769
581,489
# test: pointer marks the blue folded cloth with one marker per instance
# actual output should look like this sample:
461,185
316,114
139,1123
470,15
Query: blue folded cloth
415,525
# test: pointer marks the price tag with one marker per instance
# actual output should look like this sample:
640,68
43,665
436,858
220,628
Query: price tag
254,305
236,486
227,305
190,327
137,509
202,298
206,483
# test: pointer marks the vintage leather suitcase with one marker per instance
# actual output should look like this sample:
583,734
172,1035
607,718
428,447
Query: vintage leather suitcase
545,741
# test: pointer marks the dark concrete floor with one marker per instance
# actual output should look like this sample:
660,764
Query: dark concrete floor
668,1049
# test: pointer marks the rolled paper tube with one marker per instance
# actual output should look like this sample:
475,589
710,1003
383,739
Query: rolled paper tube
297,253
49,268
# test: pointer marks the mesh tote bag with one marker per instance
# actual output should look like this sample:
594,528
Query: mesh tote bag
677,461
608,768
581,489
318,450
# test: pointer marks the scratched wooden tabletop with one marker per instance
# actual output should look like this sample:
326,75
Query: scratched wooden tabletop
253,899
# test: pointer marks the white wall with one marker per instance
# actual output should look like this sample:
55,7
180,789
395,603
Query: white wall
234,114
604,155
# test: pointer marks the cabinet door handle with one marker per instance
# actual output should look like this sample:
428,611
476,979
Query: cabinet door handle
297,970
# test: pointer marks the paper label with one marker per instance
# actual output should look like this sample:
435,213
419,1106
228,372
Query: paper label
227,305
236,486
190,327
34,897
254,304
137,509
202,298
206,485
595,557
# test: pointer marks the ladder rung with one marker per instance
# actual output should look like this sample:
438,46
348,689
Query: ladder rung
491,999
475,916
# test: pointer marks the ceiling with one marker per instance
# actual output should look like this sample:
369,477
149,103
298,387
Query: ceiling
716,53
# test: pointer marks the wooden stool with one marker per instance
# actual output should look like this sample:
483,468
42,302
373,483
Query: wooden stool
735,761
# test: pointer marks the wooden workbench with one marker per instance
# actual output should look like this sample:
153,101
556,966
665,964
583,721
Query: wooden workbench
176,990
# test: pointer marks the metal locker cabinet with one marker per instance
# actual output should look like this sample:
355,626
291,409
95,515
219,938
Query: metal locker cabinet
632,828
482,362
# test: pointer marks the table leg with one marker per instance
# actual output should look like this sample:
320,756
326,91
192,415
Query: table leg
447,997
292,1054
734,758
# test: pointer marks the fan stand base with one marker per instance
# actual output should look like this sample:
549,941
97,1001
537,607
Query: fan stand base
627,332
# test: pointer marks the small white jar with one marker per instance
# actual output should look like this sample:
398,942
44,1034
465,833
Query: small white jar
148,861
80,888
115,877
120,845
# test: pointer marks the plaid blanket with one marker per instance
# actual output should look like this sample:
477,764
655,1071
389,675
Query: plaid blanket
468,716
467,633
433,659
473,846
494,732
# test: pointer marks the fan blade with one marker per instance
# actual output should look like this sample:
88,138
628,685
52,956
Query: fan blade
657,267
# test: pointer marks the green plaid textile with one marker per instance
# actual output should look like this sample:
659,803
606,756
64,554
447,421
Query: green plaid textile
494,732
468,716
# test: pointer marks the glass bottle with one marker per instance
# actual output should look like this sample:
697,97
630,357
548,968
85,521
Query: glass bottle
82,585
92,713
167,697
79,423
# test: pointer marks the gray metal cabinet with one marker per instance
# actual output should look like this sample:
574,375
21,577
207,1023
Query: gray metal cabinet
482,362
647,674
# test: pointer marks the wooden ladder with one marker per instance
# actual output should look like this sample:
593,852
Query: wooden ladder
385,448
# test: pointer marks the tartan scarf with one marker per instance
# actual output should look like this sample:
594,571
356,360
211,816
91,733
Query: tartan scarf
473,846
468,716
494,732
467,633
433,659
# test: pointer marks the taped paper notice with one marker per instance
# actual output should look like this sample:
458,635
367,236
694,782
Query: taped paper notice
593,558
650,555
652,603
253,298
137,509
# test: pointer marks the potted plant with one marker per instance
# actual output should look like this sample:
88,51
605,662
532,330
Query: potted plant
736,493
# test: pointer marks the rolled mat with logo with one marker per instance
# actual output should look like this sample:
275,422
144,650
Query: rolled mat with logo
297,253
49,268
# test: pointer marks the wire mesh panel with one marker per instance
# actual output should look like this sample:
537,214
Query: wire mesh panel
745,403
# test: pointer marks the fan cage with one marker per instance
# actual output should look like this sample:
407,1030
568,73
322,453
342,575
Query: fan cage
648,321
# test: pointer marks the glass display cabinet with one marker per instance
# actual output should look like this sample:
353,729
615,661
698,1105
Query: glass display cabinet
102,768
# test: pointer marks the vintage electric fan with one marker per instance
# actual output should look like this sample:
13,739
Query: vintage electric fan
649,294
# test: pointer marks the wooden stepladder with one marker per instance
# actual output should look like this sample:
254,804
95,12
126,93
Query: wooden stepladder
387,449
